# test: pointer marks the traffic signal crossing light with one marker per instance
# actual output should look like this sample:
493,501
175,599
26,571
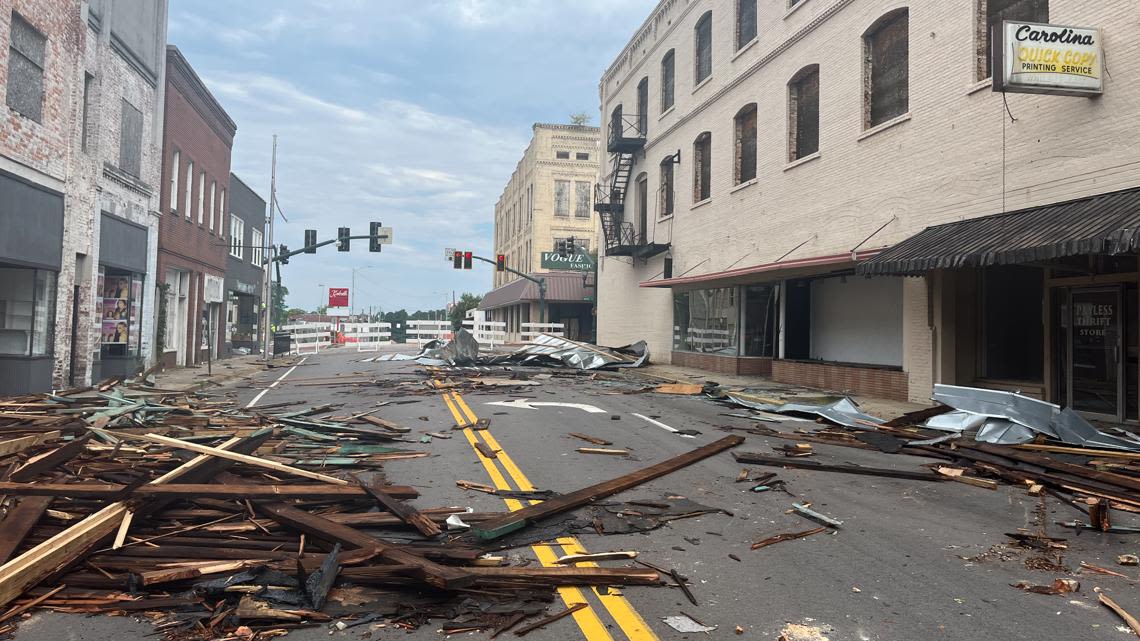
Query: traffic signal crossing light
284,254
374,242
342,238
501,262
466,260
457,260
310,241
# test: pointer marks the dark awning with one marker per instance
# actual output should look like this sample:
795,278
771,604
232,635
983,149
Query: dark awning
561,287
1103,224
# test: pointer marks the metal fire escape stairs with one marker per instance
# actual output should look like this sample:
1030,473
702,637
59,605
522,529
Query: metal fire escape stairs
626,138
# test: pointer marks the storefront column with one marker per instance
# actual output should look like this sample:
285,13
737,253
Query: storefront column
918,339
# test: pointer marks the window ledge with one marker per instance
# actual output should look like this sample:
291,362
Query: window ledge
979,86
702,83
661,219
795,8
883,126
747,183
667,111
745,47
801,161
701,203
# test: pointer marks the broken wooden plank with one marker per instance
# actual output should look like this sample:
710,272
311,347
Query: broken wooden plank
1121,612
602,450
201,490
958,474
805,511
787,536
760,459
471,485
320,582
541,623
19,522
590,439
17,445
597,556
48,460
385,424
485,450
405,512
496,528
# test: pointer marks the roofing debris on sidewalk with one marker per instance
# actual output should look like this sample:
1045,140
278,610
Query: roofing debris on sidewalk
545,350
220,522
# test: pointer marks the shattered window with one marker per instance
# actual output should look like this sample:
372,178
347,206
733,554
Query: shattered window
582,202
746,144
130,139
886,72
667,72
561,197
26,69
745,22
702,167
803,96
991,13
704,47
706,320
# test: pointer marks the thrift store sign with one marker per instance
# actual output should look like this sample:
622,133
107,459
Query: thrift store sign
1053,59
573,262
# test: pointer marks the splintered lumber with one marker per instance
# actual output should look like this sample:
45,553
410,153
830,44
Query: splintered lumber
200,490
597,556
385,424
1109,478
233,456
485,450
63,549
407,513
17,445
496,528
590,439
19,522
759,459
958,474
48,460
805,511
1121,612
603,450
788,536
550,619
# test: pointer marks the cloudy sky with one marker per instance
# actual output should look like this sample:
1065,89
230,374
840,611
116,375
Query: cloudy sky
409,112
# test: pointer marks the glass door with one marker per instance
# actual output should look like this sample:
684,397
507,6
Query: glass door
1096,367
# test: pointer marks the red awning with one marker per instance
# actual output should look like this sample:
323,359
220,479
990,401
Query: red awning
833,261
561,287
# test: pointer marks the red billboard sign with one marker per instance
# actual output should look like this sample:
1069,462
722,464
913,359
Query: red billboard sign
338,297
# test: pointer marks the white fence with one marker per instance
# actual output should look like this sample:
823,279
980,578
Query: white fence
487,332
423,331
308,336
368,337
704,340
532,330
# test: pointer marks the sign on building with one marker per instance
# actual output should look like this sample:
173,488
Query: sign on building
214,288
338,297
1052,59
573,262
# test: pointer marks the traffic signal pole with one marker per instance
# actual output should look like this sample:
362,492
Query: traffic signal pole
541,282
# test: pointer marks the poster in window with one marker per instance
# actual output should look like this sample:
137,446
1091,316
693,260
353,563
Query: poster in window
114,332
117,287
115,308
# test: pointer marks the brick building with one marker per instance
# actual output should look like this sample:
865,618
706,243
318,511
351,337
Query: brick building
830,192
547,199
194,229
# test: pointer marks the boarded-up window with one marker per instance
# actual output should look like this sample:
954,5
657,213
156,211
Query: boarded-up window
666,196
803,114
26,69
88,100
561,197
745,127
667,73
886,74
130,139
702,167
991,13
703,62
745,22
582,202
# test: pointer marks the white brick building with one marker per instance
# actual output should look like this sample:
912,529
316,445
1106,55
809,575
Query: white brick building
873,120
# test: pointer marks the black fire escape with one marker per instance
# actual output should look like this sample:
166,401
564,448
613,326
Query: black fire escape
621,236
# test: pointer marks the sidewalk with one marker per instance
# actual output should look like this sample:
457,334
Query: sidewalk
759,386
223,371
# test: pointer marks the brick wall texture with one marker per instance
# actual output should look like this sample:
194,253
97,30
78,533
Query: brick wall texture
862,381
724,364
956,154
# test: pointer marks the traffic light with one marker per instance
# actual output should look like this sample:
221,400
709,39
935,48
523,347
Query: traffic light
342,239
374,242
571,245
283,253
560,247
310,241
457,260
466,260
501,262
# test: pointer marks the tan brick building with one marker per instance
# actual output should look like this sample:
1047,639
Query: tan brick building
548,198
782,159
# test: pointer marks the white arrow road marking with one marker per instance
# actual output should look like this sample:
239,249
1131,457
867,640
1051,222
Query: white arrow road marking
663,426
525,404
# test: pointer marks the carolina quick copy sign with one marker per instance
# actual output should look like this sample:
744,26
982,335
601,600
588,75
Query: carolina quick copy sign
1044,58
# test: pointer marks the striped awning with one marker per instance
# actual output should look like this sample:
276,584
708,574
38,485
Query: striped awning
561,287
1103,224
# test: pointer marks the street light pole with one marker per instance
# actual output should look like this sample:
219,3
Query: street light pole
267,301
352,291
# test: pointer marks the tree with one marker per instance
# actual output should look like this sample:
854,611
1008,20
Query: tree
580,118
459,310
321,309
280,316
294,312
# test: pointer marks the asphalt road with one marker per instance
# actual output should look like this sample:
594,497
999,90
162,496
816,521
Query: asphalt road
897,569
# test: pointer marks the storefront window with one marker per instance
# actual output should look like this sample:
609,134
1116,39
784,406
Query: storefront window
1013,331
706,320
27,310
119,311
760,320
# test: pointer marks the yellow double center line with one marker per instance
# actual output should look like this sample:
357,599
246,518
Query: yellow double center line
622,612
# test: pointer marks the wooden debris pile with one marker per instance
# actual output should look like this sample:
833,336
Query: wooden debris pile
213,519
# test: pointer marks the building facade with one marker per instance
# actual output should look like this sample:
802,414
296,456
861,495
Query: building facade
245,273
193,237
830,193
548,199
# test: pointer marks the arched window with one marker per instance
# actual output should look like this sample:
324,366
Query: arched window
702,62
803,113
745,22
745,144
616,126
886,73
668,71
702,167
666,196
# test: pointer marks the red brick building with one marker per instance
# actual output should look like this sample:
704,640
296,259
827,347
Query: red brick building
192,238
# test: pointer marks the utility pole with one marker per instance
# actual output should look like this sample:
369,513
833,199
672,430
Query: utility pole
267,295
